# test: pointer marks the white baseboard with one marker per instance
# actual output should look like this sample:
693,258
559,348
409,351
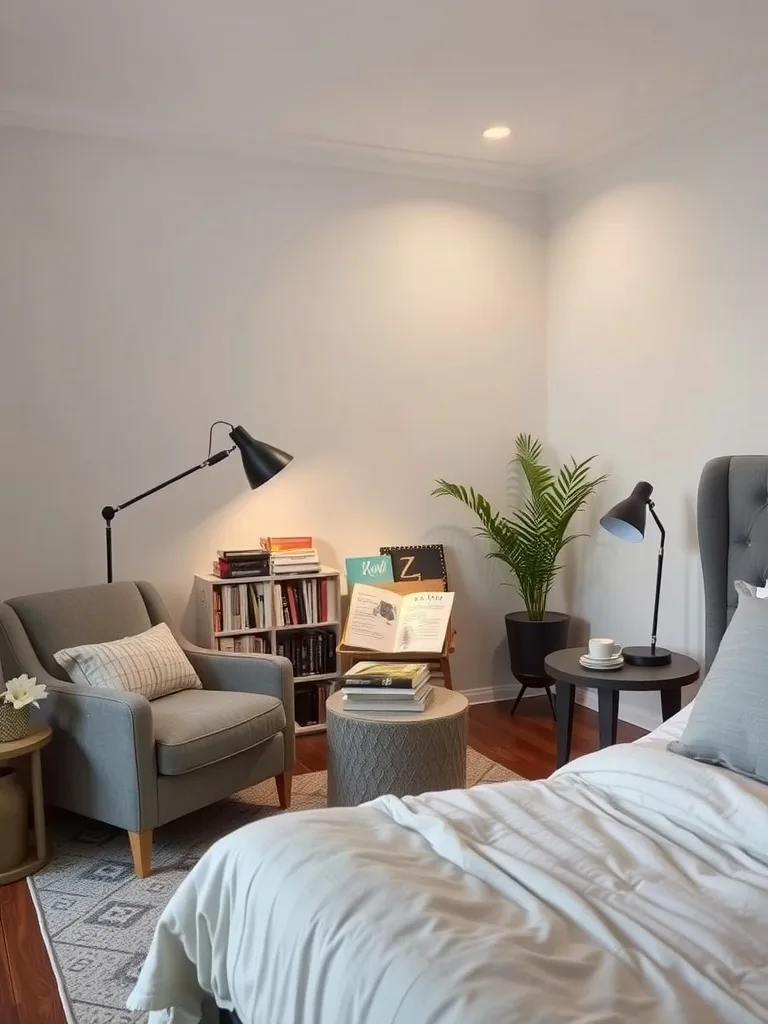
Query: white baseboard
627,713
489,694
641,717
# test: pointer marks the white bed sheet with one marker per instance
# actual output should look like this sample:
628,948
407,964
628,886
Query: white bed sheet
630,886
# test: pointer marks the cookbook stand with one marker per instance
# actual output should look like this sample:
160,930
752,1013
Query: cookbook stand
349,656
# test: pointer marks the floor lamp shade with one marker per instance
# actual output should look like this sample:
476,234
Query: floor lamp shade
260,460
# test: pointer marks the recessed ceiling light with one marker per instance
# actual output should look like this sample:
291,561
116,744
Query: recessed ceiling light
497,132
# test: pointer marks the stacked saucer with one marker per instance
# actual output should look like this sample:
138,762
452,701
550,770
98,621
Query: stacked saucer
602,664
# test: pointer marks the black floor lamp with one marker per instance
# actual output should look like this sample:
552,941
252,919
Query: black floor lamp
260,461
627,522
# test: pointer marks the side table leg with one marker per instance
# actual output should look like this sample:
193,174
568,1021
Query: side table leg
38,811
607,716
446,667
671,702
566,698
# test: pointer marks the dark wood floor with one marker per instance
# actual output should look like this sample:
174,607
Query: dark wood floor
525,744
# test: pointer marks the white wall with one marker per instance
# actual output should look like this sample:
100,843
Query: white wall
658,351
384,330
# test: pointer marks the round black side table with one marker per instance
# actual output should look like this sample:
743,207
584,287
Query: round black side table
564,668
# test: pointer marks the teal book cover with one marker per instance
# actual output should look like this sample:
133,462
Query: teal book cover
371,569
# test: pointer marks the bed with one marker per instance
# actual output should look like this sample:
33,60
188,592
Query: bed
632,885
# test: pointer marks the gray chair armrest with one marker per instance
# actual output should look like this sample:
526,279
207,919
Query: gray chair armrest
102,756
250,673
101,760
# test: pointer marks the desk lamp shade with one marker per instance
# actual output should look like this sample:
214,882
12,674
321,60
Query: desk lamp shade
260,460
627,519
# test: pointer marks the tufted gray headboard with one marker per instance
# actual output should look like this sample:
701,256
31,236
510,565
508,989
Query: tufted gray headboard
732,517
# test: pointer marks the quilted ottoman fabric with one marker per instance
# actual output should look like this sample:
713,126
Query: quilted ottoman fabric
407,755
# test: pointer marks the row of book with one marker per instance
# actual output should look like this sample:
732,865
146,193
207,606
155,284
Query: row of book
277,556
311,652
394,688
242,606
309,703
248,644
306,602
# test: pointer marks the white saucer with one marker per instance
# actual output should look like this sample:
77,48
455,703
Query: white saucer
601,664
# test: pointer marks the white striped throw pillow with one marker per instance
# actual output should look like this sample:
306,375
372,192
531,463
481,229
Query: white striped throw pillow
151,664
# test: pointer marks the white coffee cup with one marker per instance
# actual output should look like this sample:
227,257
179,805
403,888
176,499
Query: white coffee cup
601,649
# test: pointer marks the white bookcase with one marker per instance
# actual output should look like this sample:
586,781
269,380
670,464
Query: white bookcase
225,620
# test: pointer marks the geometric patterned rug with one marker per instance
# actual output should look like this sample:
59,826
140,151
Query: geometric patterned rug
97,918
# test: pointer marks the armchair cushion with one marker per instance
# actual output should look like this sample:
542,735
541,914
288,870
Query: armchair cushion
195,728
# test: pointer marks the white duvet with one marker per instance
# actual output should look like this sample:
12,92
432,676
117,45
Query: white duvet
630,886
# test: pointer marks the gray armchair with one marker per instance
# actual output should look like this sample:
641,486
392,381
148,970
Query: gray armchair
136,764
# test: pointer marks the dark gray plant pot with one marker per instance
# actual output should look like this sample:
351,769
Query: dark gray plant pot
530,642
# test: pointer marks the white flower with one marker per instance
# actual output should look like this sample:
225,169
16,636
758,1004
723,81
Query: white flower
22,691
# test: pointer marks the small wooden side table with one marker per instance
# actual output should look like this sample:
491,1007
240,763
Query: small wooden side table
564,668
30,746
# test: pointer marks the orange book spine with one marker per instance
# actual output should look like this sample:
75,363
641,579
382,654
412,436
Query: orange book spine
286,543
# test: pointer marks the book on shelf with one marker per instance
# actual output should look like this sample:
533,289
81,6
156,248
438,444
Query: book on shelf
309,703
388,702
306,602
244,555
311,652
379,675
234,570
251,562
248,644
287,557
242,606
286,543
299,562
382,620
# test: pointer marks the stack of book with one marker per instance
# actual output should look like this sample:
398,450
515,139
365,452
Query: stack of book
386,688
291,555
232,565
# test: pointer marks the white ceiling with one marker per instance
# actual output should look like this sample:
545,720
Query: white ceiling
405,78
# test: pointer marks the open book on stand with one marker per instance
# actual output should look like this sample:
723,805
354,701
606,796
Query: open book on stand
381,620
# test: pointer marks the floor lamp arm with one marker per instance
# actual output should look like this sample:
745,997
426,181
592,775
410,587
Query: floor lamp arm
110,511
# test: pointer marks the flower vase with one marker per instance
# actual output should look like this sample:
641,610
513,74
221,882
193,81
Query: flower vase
14,724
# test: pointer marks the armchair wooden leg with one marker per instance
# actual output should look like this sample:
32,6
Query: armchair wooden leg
284,789
141,851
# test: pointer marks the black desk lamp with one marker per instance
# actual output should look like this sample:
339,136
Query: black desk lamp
627,522
260,461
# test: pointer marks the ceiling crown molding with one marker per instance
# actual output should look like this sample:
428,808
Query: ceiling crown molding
688,118
308,150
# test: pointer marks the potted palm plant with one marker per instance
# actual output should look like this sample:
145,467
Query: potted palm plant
529,542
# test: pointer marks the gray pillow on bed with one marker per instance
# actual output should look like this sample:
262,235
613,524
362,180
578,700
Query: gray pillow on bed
729,721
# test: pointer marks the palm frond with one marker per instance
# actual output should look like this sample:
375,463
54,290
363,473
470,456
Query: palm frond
530,539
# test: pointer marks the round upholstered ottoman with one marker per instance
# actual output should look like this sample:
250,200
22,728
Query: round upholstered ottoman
370,754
